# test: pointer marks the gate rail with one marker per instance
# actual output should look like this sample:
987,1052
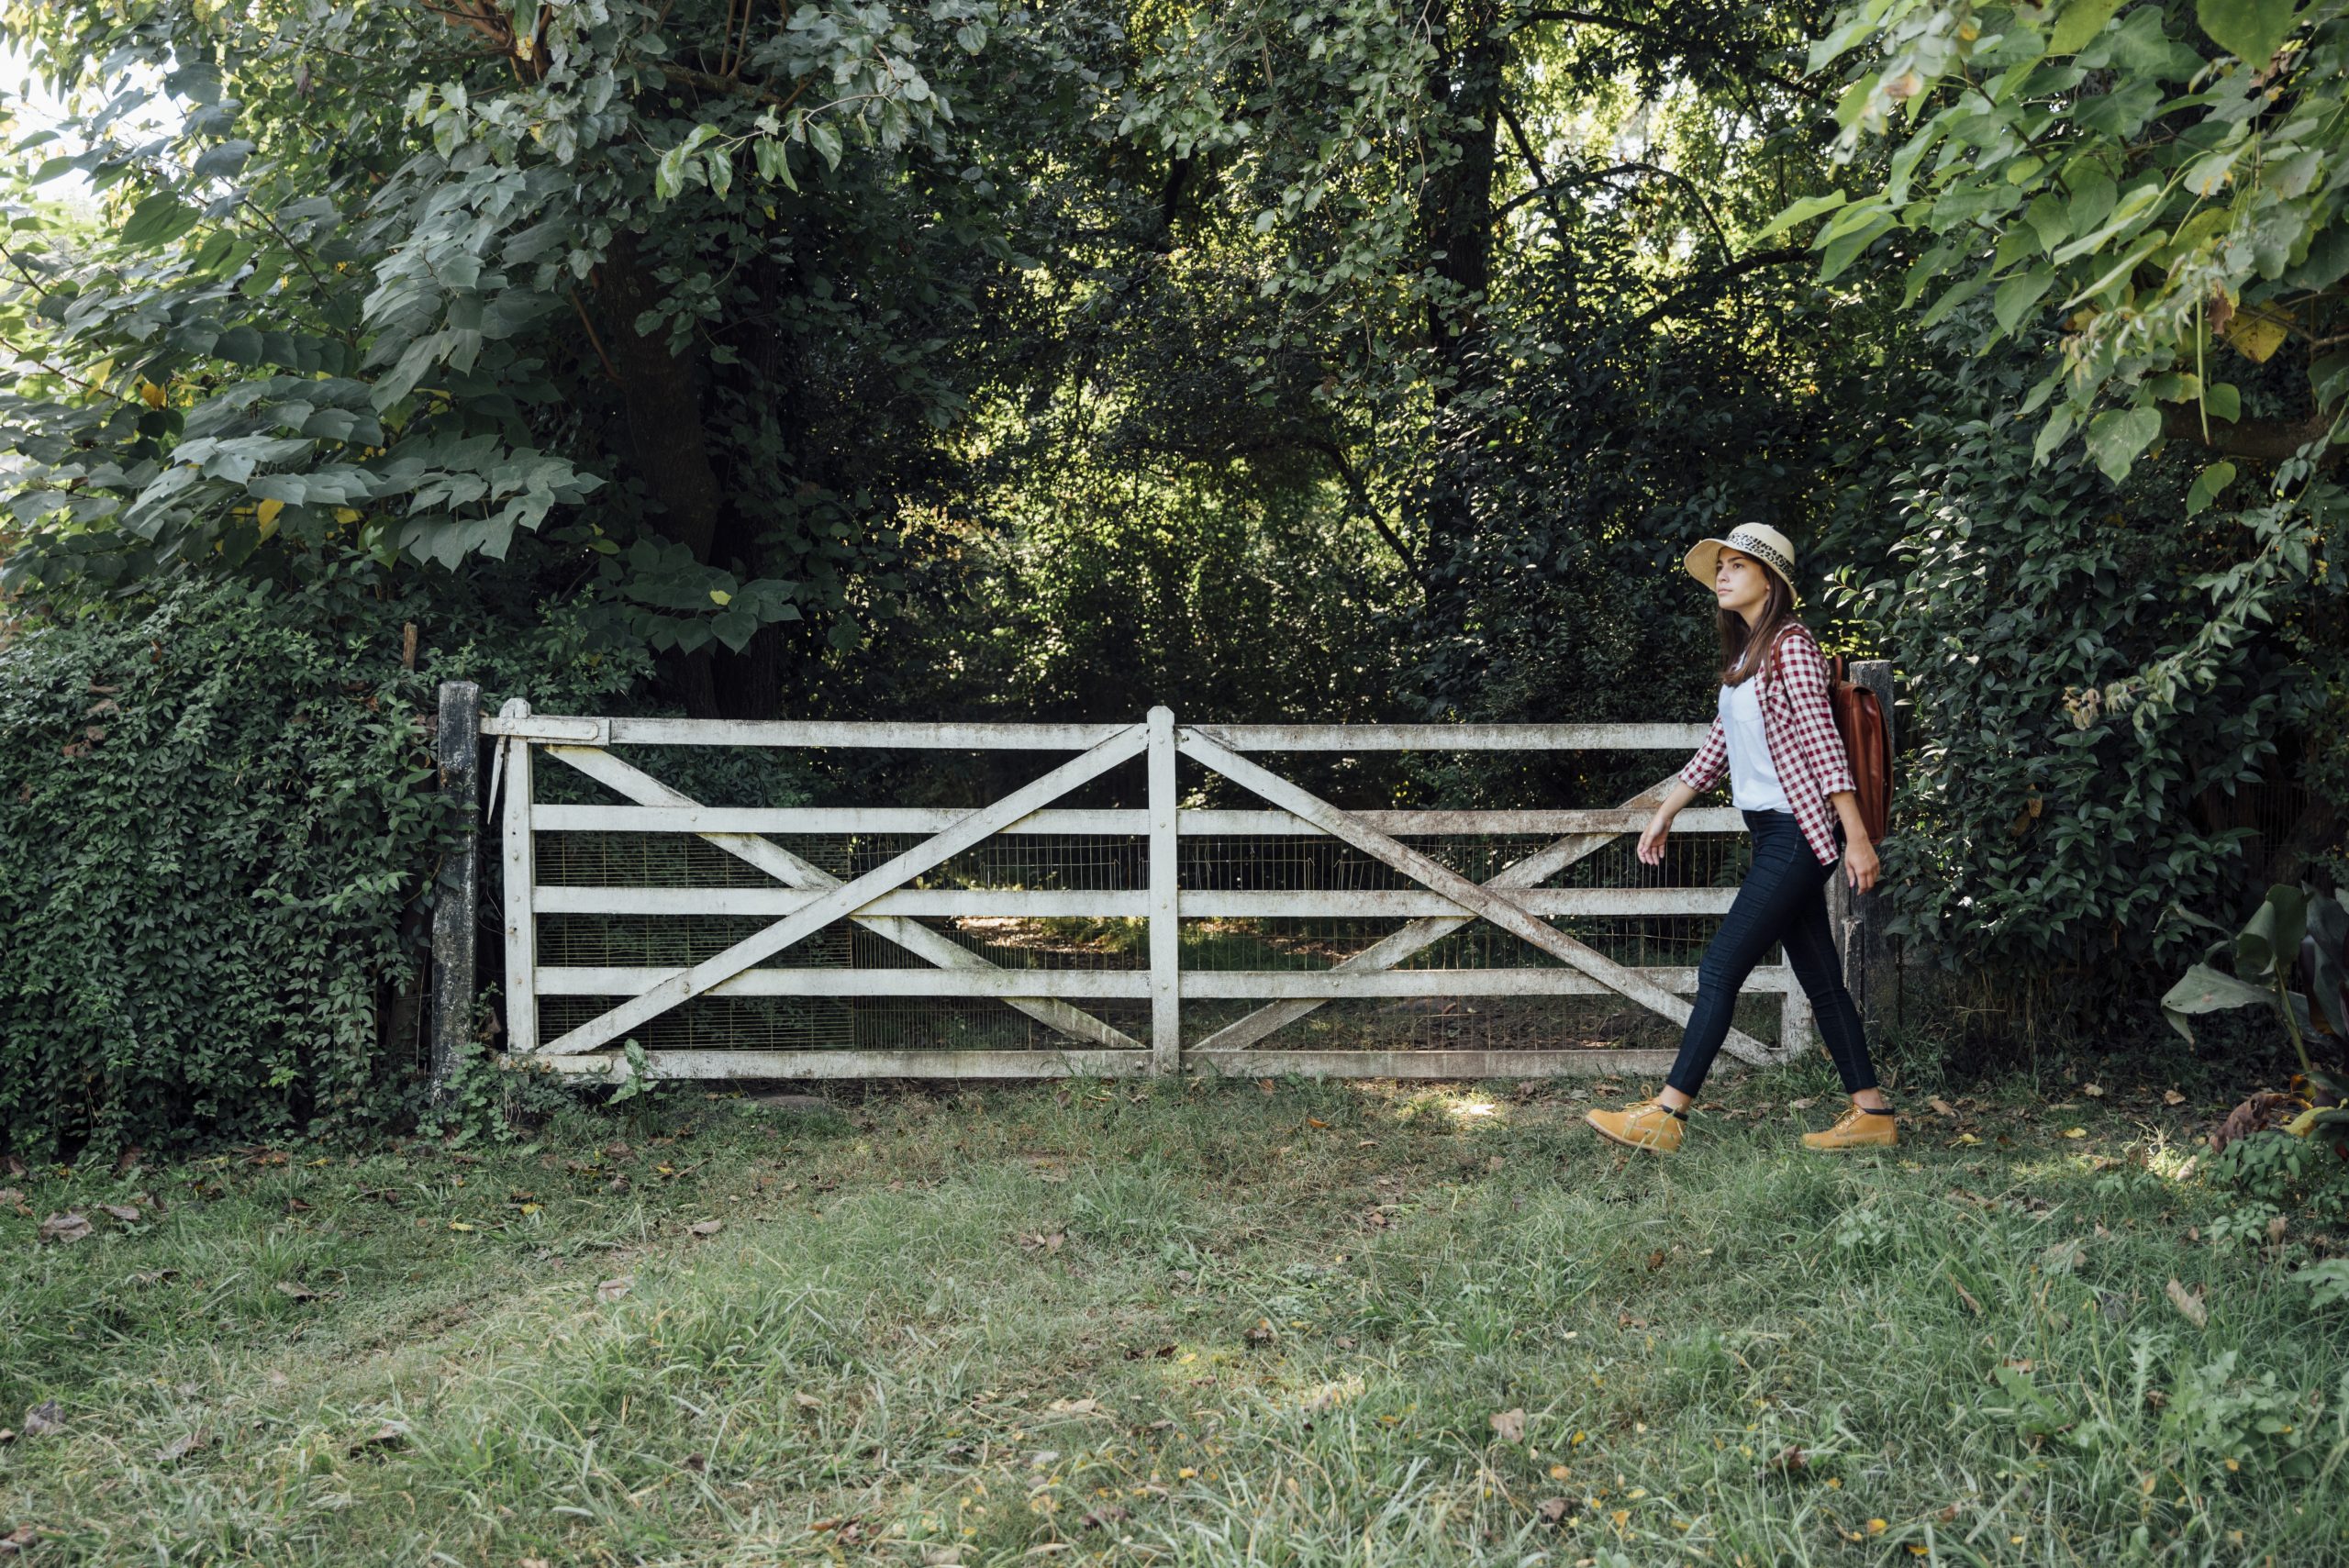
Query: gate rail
804,898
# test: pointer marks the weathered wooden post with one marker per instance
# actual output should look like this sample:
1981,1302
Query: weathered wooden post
457,887
1858,920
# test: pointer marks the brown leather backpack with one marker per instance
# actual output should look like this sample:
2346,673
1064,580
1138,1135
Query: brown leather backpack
1867,740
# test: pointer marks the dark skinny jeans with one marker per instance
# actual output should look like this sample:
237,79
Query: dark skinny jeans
1782,903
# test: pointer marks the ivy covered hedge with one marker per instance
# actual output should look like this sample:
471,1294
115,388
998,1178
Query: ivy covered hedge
217,827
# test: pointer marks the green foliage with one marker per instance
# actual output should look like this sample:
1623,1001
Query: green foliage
212,830
217,822
2049,818
2151,175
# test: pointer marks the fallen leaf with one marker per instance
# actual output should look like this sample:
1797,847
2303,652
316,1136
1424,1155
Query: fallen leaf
2075,1132
1941,1107
1553,1509
1787,1460
296,1289
706,1227
391,1434
67,1227
7,1436
1966,1295
2172,1097
613,1289
807,1401
1262,1334
44,1419
2063,1257
1509,1426
1802,1104
1044,1241
1265,1083
1656,1260
458,1225
24,1538
2188,1304
180,1447
2093,1091
11,1199
1314,1121
1088,1407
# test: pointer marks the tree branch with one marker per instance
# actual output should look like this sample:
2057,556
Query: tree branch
2254,440
1670,305
1361,495
1684,48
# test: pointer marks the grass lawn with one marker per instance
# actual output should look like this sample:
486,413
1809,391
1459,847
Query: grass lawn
1299,1323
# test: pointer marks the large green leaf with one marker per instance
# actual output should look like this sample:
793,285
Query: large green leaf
2272,935
2251,31
2116,436
2206,990
2081,21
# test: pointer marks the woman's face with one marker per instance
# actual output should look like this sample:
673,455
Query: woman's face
1741,583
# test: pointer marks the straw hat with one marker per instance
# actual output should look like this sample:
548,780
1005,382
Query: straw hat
1765,544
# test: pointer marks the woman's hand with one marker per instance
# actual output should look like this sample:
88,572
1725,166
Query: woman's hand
1860,864
1651,837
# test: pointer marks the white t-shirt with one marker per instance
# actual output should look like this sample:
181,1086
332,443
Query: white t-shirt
1753,776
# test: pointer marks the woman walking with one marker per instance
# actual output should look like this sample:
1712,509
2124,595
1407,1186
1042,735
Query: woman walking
1776,737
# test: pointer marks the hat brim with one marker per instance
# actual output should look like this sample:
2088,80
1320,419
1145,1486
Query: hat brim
1705,555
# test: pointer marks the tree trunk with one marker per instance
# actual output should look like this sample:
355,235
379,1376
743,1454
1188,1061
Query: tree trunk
1456,226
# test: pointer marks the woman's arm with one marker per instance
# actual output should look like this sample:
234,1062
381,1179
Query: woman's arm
1860,863
1651,837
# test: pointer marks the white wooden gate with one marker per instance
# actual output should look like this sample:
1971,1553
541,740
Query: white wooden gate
802,899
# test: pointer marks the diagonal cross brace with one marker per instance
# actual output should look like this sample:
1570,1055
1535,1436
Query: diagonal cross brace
1418,935
847,897
633,784
1493,906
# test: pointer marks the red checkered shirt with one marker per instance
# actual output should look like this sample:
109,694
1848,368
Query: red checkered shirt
1805,746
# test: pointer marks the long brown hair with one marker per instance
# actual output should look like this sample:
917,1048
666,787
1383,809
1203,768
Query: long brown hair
1742,647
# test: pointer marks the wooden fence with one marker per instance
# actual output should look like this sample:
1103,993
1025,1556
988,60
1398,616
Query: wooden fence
796,899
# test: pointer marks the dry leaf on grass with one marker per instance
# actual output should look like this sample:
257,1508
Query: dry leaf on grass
44,1419
1788,1460
706,1228
2172,1097
2093,1091
67,1227
180,1447
121,1211
1509,1426
1941,1107
2063,1257
1553,1509
391,1434
296,1289
2189,1303
1044,1241
807,1401
613,1289
1966,1295
1088,1407
24,1538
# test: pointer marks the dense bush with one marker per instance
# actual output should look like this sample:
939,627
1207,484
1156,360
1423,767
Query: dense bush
217,822
2052,822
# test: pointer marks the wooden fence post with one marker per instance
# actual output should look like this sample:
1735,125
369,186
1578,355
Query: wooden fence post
457,887
1858,920
1165,919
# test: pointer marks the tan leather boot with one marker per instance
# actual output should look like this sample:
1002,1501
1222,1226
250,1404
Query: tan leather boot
1857,1129
1653,1126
